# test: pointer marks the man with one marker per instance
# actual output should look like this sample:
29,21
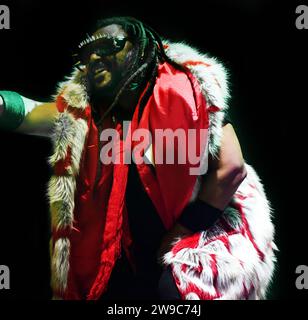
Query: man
147,230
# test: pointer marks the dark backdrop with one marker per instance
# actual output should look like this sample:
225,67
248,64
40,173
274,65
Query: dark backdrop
259,44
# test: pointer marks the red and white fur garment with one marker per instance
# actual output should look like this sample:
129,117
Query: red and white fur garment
232,260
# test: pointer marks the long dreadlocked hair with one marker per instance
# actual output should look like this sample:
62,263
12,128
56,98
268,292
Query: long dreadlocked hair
149,51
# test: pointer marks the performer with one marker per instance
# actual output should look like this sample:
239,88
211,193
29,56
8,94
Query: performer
147,230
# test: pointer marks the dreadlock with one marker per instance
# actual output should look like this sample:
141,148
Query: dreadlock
149,51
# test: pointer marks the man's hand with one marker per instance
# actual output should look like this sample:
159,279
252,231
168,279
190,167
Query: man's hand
178,231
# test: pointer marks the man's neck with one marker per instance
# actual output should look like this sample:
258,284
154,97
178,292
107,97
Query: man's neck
125,107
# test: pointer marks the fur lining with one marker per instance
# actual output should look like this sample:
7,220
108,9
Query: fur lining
62,136
75,95
230,265
60,265
69,134
61,194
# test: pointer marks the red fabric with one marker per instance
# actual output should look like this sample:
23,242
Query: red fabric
100,213
60,168
90,219
177,102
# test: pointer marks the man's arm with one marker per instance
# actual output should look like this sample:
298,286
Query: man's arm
24,115
224,176
226,173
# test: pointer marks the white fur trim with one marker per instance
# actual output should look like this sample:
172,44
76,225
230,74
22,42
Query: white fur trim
75,95
81,130
239,266
69,132
74,90
61,191
62,136
60,264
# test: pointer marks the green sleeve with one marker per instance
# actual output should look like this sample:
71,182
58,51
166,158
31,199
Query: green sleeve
14,110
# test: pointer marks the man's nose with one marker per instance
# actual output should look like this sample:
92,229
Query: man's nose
94,57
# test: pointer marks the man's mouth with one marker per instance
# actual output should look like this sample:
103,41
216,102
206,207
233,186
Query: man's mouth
99,68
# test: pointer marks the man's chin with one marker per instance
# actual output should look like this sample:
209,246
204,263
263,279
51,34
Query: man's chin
101,91
103,86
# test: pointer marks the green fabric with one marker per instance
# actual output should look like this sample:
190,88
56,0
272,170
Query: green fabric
14,110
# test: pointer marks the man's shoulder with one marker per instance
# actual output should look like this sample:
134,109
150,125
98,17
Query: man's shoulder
209,72
174,94
173,82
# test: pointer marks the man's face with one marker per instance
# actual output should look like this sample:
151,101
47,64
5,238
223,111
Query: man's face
107,59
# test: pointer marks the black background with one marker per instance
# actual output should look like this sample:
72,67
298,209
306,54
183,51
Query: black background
267,59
